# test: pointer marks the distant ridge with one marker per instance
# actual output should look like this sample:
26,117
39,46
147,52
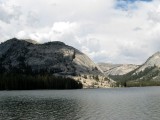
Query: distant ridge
117,69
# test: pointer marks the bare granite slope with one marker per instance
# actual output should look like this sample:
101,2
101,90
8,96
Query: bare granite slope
152,61
117,69
55,58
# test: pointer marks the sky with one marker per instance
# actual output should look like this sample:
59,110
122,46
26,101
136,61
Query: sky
111,31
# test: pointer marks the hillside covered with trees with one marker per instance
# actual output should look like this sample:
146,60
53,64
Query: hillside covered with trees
148,77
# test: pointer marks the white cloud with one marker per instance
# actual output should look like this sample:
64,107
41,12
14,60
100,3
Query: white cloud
96,27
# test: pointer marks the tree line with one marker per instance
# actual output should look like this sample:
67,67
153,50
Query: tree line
24,78
14,81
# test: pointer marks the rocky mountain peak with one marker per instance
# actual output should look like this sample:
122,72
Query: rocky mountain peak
31,41
55,43
154,60
154,57
157,53
53,57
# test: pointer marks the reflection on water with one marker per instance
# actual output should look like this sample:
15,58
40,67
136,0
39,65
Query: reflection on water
93,104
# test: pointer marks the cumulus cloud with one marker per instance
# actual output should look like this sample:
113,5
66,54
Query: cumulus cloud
116,31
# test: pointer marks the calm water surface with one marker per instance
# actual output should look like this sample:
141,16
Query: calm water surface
86,104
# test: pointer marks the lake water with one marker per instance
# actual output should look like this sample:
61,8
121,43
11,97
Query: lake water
85,104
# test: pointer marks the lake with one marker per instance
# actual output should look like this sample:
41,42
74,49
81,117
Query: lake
84,104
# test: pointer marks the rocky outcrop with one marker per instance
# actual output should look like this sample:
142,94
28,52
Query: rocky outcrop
53,57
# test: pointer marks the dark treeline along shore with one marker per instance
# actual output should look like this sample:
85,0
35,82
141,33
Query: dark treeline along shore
26,79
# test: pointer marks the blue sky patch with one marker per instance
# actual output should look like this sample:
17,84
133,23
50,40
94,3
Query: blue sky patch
128,4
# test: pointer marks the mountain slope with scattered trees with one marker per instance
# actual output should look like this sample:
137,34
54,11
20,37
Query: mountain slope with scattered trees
147,74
